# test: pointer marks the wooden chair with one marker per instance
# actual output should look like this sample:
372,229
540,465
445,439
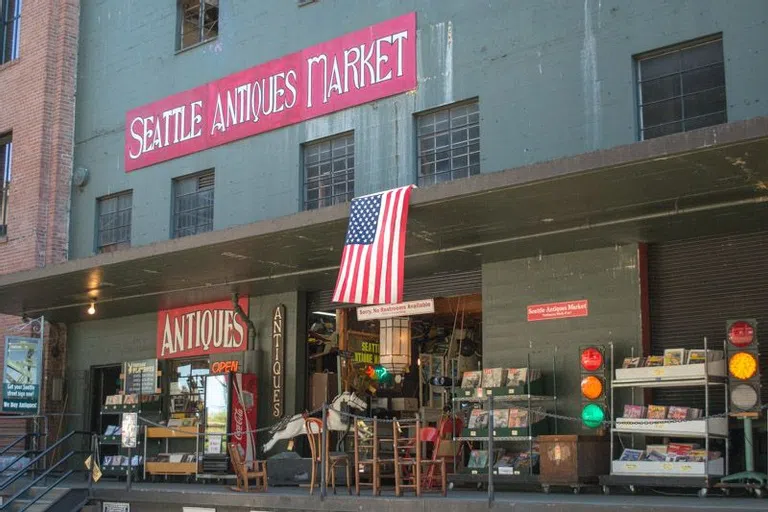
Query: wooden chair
244,473
367,454
407,467
314,435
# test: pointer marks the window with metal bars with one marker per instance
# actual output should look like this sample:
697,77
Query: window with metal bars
193,204
198,22
10,24
329,171
6,150
682,88
449,143
114,231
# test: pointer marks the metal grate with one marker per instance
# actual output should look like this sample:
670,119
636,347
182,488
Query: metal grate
329,171
198,22
682,89
10,24
193,204
115,222
6,151
695,286
449,143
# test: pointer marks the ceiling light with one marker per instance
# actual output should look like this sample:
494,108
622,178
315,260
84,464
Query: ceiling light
323,313
92,309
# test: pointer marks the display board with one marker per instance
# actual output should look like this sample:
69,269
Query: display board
140,377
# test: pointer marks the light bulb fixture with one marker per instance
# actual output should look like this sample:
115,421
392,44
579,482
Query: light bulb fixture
395,344
92,309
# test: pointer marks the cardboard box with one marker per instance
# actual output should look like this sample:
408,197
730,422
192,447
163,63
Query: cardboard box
405,404
323,387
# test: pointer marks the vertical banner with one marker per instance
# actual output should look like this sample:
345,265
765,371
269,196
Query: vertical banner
21,374
243,414
278,361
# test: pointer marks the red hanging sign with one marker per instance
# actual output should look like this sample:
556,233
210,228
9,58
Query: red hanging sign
202,329
357,68
557,310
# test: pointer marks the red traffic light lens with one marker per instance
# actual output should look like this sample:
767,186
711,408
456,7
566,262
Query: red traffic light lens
741,334
591,359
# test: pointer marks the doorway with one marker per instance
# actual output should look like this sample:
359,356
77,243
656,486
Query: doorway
105,381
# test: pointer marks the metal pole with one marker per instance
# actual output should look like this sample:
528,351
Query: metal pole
490,451
749,456
93,461
323,461
130,470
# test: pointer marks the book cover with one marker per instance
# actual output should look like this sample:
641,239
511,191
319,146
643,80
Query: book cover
677,413
634,411
517,376
471,379
674,356
657,412
658,448
697,357
626,362
635,362
478,419
655,456
130,399
654,361
518,418
630,454
680,448
501,418
478,459
494,378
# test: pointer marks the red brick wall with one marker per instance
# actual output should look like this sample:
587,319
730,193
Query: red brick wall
37,103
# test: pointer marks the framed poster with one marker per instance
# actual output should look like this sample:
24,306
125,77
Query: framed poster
22,370
140,377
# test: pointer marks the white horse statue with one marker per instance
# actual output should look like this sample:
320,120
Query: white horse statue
295,426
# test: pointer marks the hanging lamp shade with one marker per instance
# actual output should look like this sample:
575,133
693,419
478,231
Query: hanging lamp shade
395,344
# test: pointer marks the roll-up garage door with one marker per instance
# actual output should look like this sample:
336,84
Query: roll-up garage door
436,285
694,287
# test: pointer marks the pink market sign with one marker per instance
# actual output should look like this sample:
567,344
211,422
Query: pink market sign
557,310
357,68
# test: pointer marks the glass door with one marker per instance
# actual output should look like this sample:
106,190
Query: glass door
216,413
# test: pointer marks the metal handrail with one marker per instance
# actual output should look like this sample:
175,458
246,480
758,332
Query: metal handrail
31,484
31,463
20,456
14,443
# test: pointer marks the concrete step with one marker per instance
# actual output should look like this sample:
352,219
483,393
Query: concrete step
40,505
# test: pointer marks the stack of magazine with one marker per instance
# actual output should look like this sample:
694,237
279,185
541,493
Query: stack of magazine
499,377
671,452
504,462
674,357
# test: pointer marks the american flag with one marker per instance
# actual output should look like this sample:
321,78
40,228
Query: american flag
372,262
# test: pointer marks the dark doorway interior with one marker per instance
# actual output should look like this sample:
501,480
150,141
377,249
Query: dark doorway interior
105,380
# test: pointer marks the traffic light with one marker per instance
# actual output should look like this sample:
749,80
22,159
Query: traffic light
743,358
593,392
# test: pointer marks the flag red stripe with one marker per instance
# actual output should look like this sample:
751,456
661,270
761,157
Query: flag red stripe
390,274
386,210
401,253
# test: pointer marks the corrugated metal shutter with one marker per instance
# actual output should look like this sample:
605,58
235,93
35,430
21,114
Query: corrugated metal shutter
694,287
436,285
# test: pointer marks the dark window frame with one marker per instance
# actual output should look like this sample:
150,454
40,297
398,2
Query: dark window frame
10,30
6,168
341,151
200,192
682,81
116,242
431,127
205,31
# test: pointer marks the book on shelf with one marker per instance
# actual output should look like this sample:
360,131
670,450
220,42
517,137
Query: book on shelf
654,361
114,400
471,379
658,448
657,412
635,411
107,460
674,356
478,419
110,431
699,356
631,455
521,376
131,399
500,418
478,459
494,377
632,362
655,456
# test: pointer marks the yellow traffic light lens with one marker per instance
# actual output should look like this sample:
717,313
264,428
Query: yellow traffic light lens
591,387
742,365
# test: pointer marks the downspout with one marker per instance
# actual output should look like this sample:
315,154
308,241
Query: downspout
251,333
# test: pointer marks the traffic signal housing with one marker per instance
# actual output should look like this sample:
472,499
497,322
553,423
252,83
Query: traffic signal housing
742,353
592,367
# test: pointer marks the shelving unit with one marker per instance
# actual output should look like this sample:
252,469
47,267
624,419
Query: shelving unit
645,473
188,469
529,394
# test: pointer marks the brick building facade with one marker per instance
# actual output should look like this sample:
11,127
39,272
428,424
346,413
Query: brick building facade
37,100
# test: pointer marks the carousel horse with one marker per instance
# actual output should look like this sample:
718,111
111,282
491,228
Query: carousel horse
294,426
